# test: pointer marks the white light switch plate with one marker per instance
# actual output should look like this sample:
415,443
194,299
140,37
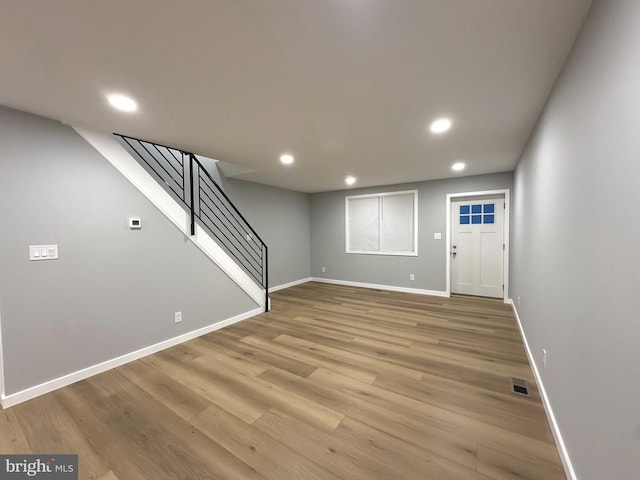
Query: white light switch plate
43,252
437,236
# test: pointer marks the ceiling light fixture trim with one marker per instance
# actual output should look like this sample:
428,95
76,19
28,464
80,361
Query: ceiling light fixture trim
122,102
350,180
440,125
286,159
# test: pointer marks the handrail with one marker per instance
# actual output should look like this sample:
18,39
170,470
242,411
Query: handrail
231,222
233,231
192,212
159,175
227,198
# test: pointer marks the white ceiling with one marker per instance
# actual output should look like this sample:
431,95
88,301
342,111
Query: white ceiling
346,86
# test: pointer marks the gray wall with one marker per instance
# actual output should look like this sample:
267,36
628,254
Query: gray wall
575,256
113,290
429,267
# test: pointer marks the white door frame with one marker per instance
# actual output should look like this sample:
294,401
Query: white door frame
450,198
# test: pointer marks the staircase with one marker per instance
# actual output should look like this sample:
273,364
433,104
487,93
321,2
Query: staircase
179,185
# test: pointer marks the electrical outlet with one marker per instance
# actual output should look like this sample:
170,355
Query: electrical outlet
412,276
544,357
178,317
518,300
324,269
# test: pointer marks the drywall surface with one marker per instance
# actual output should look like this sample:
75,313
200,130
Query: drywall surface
575,255
429,267
113,290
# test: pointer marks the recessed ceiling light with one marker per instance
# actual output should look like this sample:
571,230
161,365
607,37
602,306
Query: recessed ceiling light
286,159
457,166
122,102
350,180
440,125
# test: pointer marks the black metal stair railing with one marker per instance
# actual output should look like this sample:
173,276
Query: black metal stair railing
208,205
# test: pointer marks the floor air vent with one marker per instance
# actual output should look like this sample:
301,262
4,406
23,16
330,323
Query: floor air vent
519,386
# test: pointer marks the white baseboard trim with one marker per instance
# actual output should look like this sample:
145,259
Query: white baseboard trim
555,429
289,284
1,363
33,392
435,293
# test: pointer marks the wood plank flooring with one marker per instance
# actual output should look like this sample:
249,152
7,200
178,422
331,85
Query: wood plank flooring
334,383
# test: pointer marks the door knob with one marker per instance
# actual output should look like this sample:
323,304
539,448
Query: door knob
454,254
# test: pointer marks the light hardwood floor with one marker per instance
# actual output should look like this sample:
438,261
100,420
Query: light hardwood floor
334,383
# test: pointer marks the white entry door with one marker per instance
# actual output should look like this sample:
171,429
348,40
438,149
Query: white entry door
477,246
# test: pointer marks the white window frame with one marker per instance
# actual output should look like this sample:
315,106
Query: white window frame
412,253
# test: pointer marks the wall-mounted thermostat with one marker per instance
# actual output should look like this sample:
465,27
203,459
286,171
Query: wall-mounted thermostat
135,223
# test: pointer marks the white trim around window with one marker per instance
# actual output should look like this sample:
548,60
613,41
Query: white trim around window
382,228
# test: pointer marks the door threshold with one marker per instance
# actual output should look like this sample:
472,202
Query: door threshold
476,297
